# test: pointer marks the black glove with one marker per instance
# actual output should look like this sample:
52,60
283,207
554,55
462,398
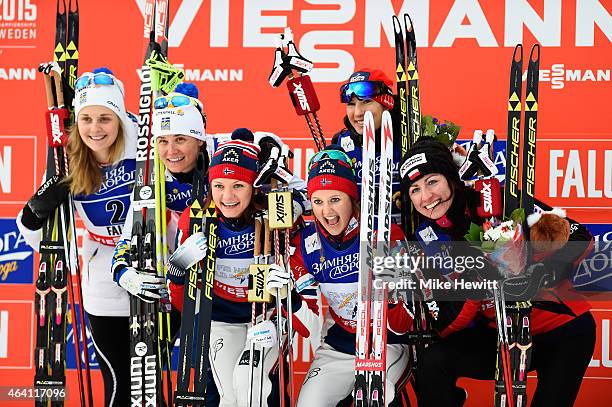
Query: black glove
176,274
266,144
526,286
51,194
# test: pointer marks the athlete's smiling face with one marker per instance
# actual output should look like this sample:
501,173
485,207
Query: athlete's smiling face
98,128
355,111
431,195
231,196
179,153
333,210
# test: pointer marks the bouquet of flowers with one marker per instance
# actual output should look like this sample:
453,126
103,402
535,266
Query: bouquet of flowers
502,242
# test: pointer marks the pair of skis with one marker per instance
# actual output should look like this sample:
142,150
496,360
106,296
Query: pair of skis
201,274
513,319
149,321
370,362
407,79
409,112
58,251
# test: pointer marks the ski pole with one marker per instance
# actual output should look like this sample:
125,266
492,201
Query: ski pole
257,293
301,90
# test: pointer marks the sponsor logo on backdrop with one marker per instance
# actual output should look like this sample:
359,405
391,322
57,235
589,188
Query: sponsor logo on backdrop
17,156
16,256
16,347
595,272
601,354
17,23
559,74
210,74
18,74
463,21
581,173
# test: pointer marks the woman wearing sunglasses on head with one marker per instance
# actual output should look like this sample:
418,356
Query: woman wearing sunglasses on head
562,328
327,257
101,152
367,90
232,173
179,126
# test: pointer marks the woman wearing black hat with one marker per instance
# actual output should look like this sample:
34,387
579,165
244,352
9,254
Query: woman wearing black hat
327,258
563,331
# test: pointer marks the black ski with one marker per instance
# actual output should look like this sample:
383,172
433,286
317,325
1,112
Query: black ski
145,357
514,344
54,287
202,272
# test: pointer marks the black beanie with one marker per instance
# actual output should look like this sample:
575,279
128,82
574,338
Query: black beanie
428,156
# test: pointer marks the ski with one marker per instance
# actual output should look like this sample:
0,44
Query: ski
257,293
363,363
402,94
513,319
407,78
58,255
383,239
201,273
145,355
280,215
206,301
513,140
521,347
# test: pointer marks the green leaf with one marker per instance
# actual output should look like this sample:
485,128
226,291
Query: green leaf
488,245
474,233
518,215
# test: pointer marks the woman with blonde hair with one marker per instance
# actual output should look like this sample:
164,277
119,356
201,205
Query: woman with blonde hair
101,152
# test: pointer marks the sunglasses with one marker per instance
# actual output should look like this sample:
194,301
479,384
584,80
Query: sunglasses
331,155
96,79
362,89
173,101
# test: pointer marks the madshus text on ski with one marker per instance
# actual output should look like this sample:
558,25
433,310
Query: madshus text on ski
432,265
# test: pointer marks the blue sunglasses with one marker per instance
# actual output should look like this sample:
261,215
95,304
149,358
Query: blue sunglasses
363,90
96,79
174,101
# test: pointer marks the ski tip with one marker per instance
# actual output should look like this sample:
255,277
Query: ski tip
518,52
368,125
408,23
534,56
387,124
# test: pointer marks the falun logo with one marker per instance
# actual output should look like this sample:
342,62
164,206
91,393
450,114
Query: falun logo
165,123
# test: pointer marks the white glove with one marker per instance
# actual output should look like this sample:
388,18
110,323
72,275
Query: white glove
297,211
144,286
263,333
278,278
190,252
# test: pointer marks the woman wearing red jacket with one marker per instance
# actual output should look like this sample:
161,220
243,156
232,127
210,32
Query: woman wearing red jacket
562,327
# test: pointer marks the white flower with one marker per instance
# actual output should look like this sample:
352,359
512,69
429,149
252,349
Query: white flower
505,230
